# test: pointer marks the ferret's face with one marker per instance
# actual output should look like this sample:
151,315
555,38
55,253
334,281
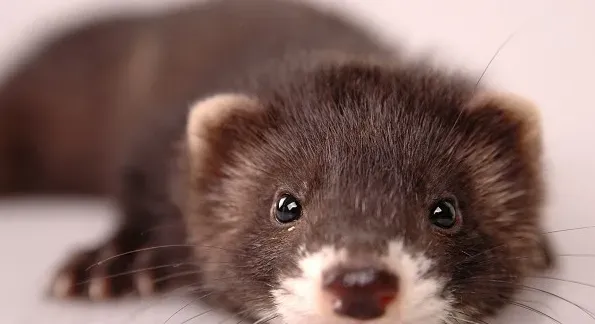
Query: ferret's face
371,196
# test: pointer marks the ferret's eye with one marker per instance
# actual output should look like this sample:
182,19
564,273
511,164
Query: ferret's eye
444,215
288,209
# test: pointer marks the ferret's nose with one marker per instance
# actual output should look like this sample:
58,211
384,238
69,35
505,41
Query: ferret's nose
361,294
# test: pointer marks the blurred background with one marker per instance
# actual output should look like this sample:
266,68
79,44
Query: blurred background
549,60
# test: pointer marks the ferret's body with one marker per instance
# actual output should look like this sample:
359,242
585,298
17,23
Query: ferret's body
286,164
86,92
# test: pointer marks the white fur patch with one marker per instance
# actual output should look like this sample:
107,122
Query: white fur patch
301,299
62,285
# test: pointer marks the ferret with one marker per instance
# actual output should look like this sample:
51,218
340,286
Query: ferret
283,162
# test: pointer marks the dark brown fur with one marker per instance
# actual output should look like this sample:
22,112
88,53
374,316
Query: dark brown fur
367,141
325,136
67,114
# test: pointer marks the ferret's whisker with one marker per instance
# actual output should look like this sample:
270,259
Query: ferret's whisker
266,319
580,255
120,274
541,304
529,288
473,256
458,319
534,310
493,58
137,251
197,316
164,277
198,287
240,313
570,229
464,314
566,280
566,255
176,275
164,247
162,298
519,304
185,306
483,73
270,319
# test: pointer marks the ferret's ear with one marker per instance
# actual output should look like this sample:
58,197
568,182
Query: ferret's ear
524,117
214,122
518,110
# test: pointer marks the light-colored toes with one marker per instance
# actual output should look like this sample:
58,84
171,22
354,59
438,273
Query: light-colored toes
144,284
98,289
63,285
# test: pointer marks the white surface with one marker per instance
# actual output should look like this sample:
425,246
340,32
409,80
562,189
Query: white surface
550,60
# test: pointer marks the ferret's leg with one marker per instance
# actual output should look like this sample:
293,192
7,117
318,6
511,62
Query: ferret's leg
145,255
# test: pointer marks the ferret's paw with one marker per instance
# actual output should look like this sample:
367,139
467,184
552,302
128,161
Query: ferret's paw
113,271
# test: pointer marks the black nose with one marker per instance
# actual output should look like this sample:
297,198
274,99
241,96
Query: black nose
361,294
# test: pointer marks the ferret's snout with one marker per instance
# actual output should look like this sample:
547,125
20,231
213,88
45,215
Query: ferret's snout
361,293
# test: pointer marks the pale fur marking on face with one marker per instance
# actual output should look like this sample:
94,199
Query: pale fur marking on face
301,300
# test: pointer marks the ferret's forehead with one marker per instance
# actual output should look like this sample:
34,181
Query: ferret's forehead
374,120
394,88
374,128
370,157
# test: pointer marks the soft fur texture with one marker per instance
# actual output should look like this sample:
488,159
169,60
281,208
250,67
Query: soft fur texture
367,141
368,148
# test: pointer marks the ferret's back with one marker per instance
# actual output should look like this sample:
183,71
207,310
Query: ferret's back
67,114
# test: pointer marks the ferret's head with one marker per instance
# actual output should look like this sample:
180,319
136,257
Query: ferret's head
360,193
